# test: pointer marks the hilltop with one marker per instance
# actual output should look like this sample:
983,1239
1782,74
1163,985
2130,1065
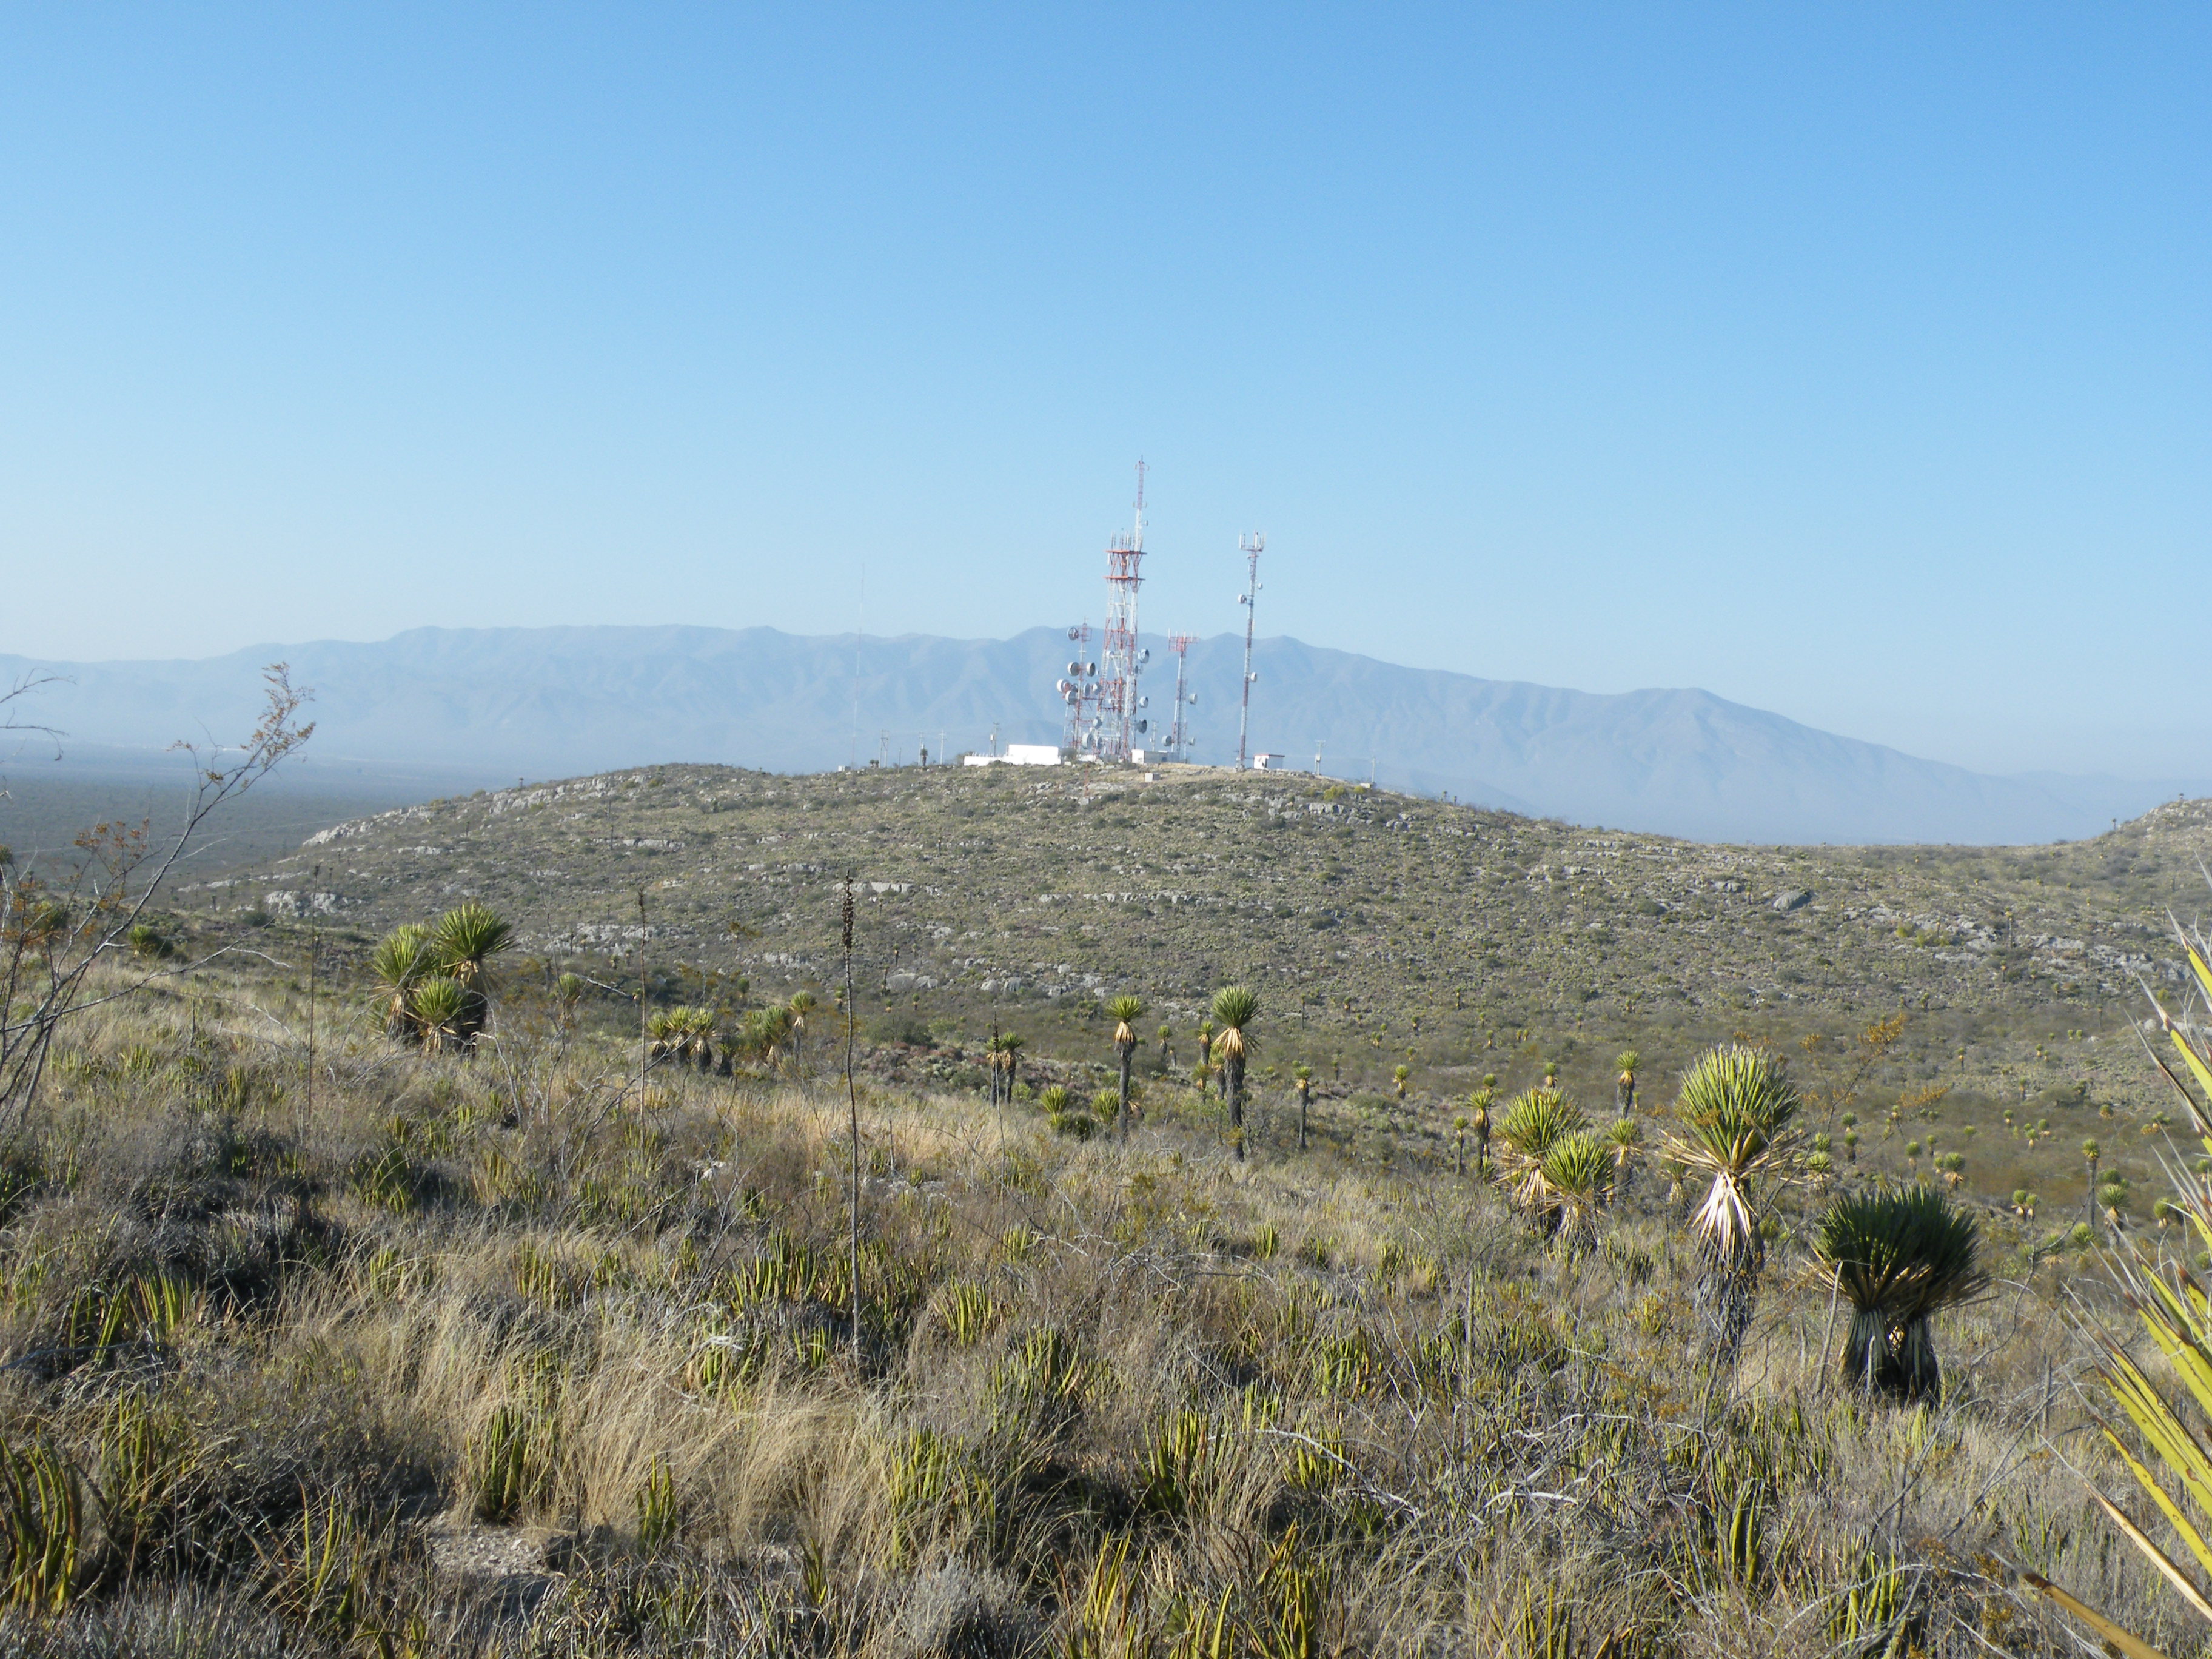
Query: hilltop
1382,929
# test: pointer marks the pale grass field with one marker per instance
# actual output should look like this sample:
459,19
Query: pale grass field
299,1368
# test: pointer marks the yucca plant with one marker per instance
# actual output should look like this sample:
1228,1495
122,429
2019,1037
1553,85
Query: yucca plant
1302,1076
1624,1086
1625,1141
1234,1008
1898,1257
1576,1171
464,943
1532,1122
1478,1119
663,1032
1125,1011
1106,1105
802,1003
1736,1107
439,1004
697,1041
768,1033
399,964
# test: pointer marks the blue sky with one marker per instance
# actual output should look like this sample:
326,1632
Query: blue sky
1847,362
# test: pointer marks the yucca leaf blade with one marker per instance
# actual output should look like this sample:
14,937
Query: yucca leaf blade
2133,1646
2173,1511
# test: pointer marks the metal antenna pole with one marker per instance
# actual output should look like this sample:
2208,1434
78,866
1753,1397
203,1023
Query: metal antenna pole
852,1104
1250,546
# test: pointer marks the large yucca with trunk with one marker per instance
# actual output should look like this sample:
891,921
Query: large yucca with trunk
1737,1108
1234,1008
1897,1258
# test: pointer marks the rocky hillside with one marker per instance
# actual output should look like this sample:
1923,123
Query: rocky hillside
1382,930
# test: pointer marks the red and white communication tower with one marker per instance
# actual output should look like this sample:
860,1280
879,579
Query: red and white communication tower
1121,722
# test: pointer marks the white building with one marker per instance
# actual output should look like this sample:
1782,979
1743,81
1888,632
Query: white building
1018,754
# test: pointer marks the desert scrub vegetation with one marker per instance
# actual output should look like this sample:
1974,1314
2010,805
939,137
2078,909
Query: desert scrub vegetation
509,1352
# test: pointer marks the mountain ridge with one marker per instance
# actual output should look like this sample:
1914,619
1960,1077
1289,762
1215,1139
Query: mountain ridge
494,702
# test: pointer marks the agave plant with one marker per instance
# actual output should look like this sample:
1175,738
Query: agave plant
1234,1008
1736,1107
1898,1257
399,965
1125,1011
1532,1122
1577,1173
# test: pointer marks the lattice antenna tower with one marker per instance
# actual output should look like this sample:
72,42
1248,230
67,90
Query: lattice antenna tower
1121,717
1079,689
1179,733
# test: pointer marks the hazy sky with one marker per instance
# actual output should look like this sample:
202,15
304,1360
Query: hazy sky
1850,361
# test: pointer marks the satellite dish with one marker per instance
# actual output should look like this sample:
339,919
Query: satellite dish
1144,656
1091,668
1143,726
1241,599
1074,633
1144,702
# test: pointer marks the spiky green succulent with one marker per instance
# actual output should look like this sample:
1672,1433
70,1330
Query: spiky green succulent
1736,1107
1531,1124
438,1004
1577,1173
400,962
1898,1257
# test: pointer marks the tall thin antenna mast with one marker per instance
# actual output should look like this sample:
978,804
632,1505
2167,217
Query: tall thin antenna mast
859,628
1179,733
1250,546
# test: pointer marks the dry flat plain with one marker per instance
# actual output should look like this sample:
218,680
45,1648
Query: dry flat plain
1381,931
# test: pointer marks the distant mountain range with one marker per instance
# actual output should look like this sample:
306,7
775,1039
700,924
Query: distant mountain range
482,706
